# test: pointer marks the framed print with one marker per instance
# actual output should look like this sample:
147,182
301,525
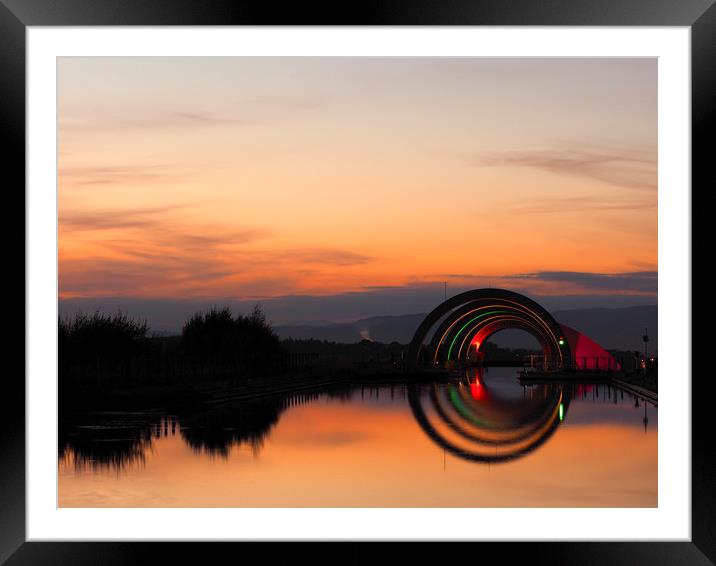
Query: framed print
399,274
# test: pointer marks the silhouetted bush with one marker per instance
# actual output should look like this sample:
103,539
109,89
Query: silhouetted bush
100,350
98,339
217,339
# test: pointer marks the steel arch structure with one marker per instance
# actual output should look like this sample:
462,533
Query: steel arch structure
456,329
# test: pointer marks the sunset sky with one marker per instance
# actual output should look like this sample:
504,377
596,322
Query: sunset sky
199,179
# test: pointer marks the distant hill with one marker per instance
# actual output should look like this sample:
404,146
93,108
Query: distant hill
378,328
619,328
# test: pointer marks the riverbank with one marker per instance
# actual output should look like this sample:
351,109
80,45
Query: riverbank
191,396
566,376
182,397
637,390
639,384
649,381
187,396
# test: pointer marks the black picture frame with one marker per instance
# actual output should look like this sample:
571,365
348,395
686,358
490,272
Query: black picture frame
17,15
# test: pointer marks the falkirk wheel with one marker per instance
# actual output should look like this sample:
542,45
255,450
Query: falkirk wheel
453,333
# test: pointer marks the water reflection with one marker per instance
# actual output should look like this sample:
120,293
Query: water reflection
471,418
474,422
108,440
97,441
215,432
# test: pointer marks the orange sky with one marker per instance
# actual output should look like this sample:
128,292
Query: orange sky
260,177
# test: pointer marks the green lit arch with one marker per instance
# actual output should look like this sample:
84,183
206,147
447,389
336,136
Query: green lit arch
435,338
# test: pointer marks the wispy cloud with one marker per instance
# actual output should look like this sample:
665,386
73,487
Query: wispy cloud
628,168
637,281
549,205
112,219
328,256
154,230
122,174
157,121
155,250
564,282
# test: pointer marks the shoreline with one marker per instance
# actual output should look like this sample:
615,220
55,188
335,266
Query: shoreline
212,392
190,396
635,383
637,390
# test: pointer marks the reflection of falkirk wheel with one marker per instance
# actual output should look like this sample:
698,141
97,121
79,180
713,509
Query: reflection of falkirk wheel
462,324
470,422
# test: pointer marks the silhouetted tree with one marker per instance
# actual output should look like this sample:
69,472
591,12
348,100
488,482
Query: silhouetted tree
99,339
216,339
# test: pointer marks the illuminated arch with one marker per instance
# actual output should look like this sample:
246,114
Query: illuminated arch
472,317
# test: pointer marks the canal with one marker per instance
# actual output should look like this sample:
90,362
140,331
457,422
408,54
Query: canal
482,440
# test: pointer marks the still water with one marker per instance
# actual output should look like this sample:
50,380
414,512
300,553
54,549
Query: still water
481,441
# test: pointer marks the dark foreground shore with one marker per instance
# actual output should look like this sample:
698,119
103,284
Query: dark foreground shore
648,381
644,385
191,396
